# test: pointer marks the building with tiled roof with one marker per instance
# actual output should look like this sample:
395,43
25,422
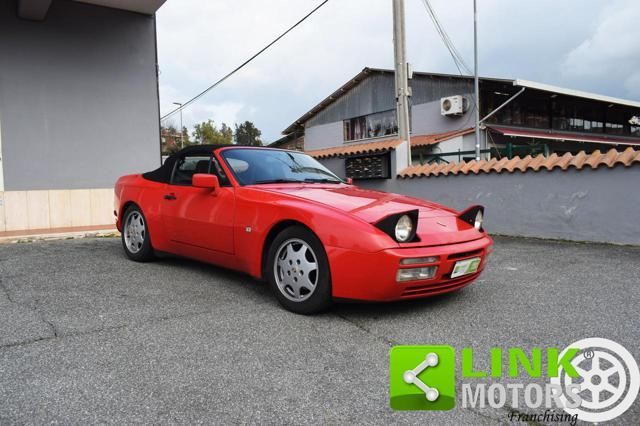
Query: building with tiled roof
355,127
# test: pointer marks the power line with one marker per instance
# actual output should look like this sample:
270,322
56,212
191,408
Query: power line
455,54
448,43
238,68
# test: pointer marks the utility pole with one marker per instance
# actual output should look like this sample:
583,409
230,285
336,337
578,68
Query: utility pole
181,134
403,91
475,78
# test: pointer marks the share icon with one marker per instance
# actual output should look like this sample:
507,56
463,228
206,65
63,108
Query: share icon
411,376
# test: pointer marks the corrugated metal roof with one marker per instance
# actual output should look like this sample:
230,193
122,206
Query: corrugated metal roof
357,79
520,83
578,161
576,93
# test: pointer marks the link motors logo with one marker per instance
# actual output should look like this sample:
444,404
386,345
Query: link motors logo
422,377
593,380
609,380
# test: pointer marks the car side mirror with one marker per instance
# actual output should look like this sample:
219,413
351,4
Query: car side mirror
204,180
349,181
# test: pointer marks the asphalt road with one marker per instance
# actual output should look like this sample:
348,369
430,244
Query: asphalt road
87,336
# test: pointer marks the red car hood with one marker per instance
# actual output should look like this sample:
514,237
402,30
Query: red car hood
368,205
436,225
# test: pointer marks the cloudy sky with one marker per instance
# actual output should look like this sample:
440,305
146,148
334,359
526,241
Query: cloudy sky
591,45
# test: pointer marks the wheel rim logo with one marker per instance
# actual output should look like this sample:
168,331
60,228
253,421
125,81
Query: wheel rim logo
609,379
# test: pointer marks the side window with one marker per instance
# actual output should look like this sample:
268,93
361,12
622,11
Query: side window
186,167
219,171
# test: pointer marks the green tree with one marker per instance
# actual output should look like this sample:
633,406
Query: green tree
170,139
248,134
227,134
181,140
173,140
185,136
207,133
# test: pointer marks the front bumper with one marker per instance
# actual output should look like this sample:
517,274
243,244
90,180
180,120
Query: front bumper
372,276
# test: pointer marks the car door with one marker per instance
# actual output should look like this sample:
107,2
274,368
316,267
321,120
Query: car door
199,217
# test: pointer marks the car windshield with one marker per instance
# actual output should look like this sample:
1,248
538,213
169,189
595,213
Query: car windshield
262,166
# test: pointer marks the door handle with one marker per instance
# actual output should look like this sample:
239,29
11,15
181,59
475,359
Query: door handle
170,196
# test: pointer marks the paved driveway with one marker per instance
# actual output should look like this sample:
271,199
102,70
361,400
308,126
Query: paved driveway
87,336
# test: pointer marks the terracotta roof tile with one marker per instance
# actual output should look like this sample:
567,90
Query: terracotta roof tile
468,166
594,159
551,161
352,149
610,158
565,160
537,162
475,168
385,145
578,161
424,140
627,156
486,166
449,168
524,163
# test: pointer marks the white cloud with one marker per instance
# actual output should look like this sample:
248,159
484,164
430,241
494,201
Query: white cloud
546,40
227,112
611,53
632,84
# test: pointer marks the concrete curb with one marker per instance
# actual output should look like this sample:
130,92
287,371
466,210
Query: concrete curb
101,233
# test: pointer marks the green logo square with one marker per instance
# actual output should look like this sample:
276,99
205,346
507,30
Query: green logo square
422,377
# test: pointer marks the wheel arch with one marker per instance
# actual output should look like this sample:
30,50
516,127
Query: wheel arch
123,210
128,204
271,236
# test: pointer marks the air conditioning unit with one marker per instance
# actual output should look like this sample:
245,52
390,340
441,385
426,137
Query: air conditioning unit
453,105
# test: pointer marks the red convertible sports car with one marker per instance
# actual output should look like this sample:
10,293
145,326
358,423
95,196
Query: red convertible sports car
283,217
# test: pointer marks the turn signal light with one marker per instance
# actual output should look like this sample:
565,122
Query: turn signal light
419,260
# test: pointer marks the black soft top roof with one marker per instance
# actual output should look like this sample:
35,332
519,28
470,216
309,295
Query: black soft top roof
163,173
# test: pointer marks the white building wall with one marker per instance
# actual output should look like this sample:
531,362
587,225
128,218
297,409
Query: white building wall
54,209
78,109
426,119
323,136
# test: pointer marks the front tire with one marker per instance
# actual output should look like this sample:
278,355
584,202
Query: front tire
298,271
135,236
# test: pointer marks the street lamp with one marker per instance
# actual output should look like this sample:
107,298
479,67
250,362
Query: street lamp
181,134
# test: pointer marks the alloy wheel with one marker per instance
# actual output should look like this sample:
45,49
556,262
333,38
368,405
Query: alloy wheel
296,270
134,232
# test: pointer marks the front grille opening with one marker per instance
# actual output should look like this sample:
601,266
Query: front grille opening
451,285
464,254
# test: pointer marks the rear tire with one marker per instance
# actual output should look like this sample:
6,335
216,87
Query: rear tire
298,271
136,240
